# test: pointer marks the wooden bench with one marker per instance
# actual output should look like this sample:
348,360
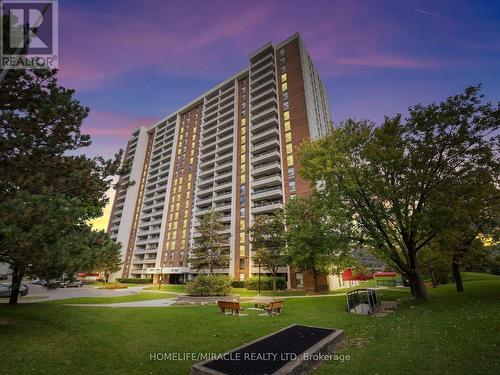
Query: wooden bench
274,308
232,306
262,302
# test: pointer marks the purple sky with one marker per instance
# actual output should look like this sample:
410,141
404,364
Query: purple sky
134,62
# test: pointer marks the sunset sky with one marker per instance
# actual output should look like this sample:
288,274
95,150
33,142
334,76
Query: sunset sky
134,62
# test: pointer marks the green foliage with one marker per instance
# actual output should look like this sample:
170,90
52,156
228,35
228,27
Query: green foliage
395,186
135,281
209,285
211,250
237,284
266,283
311,243
40,125
268,242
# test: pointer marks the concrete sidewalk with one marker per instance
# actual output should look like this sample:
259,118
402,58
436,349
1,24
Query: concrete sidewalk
164,302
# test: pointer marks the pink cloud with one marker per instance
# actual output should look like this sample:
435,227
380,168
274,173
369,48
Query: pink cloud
115,125
117,43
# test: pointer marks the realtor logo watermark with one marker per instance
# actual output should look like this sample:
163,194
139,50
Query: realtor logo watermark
29,34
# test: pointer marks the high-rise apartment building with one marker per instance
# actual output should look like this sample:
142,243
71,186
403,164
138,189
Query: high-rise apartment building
232,150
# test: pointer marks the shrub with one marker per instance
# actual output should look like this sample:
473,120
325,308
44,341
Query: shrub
135,281
114,286
266,283
209,285
238,284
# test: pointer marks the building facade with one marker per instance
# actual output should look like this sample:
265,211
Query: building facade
232,150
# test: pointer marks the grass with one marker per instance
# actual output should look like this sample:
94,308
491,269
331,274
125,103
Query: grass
451,334
242,291
116,299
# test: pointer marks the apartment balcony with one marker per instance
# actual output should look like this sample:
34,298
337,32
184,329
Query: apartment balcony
264,104
267,156
199,213
272,144
224,157
267,207
264,115
223,206
266,134
262,81
206,165
266,92
221,196
268,123
204,202
267,180
223,186
227,106
262,68
267,193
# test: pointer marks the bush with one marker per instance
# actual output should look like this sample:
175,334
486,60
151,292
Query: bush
114,286
238,284
266,283
135,281
209,285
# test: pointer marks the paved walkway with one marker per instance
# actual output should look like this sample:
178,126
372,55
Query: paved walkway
164,302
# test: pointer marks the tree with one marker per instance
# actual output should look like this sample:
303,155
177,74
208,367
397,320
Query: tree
268,243
107,257
311,241
211,250
39,135
393,181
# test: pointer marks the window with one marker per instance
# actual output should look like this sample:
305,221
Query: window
284,87
242,200
242,263
289,148
242,212
243,168
283,77
242,237
242,250
287,126
282,60
288,137
291,185
282,52
291,173
243,158
286,115
289,159
242,189
285,105
243,121
242,179
282,68
285,95
243,139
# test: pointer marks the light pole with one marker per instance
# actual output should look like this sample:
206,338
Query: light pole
259,278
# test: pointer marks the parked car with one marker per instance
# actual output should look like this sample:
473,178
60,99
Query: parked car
38,282
71,284
5,290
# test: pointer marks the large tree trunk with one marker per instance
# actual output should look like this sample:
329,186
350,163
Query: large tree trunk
419,291
106,275
457,276
274,281
315,276
17,277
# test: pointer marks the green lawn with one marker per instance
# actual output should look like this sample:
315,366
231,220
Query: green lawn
116,299
242,291
452,334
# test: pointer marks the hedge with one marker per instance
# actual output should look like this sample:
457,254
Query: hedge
266,283
135,281
238,284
